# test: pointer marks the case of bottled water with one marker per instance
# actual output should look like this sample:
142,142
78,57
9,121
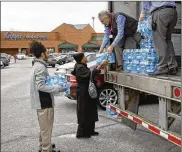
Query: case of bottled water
145,59
58,80
142,61
146,43
103,56
144,27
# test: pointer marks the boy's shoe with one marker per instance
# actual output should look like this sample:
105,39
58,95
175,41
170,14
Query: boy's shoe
53,146
56,150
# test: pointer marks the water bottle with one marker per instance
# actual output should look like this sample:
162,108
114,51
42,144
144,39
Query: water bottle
152,56
135,66
143,53
146,43
98,58
131,54
67,89
144,27
143,66
127,66
47,81
125,54
111,58
137,55
109,111
150,43
151,68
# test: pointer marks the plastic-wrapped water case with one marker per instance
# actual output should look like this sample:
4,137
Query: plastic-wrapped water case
144,27
59,80
103,56
146,43
140,60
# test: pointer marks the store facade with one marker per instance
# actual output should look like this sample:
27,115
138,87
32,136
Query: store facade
64,38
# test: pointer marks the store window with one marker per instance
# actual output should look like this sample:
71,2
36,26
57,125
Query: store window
23,50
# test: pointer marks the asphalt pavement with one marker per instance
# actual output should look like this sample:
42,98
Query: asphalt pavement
20,130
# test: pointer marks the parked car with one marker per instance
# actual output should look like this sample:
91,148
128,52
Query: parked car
61,59
5,60
65,58
21,56
6,55
2,65
69,59
51,61
106,92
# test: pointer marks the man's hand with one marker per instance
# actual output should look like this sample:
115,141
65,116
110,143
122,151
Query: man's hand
101,50
110,49
142,16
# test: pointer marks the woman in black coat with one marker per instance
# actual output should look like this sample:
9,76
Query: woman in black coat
87,113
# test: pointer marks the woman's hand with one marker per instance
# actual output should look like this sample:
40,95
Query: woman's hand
102,65
142,16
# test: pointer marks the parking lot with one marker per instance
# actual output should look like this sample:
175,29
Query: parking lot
20,130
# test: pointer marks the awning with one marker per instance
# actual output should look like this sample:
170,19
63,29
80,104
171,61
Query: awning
90,45
67,45
97,38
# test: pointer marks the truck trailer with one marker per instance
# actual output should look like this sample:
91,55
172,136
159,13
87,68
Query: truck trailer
130,86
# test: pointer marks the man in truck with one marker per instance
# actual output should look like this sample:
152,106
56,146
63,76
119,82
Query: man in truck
122,29
164,19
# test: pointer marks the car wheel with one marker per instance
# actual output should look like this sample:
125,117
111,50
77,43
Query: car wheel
32,63
53,66
107,94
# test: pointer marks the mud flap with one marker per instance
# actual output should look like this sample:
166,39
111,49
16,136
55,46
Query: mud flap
132,104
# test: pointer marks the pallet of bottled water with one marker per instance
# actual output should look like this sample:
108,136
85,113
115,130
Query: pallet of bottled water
58,80
143,61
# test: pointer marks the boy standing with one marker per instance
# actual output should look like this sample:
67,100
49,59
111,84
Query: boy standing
41,95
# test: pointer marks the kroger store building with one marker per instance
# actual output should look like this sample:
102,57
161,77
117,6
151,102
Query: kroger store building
64,38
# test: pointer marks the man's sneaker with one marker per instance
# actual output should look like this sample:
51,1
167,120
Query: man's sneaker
159,72
173,71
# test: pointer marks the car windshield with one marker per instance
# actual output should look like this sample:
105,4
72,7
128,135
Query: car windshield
3,57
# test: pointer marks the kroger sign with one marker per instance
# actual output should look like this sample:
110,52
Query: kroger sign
18,37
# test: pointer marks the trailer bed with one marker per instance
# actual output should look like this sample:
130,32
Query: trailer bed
161,86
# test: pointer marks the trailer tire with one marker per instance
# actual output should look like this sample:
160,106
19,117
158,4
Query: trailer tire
107,94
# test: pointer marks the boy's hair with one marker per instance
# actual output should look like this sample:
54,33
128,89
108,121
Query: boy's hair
37,48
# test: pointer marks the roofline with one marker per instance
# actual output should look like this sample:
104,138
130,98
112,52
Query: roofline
69,43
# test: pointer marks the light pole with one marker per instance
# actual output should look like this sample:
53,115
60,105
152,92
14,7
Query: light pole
93,21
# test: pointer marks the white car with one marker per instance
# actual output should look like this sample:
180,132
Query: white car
65,68
21,56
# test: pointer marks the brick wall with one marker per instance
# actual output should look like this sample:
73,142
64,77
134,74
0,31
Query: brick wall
62,33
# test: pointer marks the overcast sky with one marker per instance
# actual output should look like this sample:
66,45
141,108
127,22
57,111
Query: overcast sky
46,16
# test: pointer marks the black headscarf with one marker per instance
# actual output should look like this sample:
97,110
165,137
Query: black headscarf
78,57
